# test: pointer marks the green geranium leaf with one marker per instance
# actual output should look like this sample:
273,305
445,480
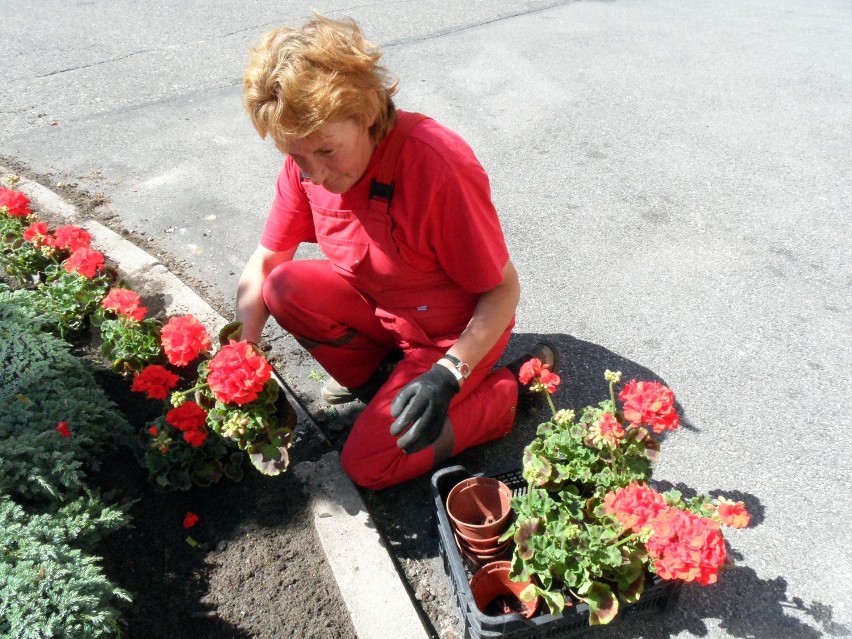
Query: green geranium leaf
208,474
603,604
269,459
632,568
230,332
527,529
555,600
632,593
529,593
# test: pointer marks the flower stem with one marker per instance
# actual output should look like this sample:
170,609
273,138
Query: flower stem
621,542
199,385
550,402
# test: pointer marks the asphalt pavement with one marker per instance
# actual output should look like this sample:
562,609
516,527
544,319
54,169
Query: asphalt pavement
673,180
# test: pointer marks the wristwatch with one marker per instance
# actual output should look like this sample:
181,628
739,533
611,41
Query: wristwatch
460,369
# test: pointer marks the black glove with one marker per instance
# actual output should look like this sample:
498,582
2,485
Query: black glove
423,406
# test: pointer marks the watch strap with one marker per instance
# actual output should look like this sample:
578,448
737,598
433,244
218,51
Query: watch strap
459,366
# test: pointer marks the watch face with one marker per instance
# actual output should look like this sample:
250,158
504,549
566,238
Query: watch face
459,365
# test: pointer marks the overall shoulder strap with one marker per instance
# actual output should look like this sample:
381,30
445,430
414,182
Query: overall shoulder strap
382,185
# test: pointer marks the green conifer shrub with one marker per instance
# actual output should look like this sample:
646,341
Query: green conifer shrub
41,384
50,582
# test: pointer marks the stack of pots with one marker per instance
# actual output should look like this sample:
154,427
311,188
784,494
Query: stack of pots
479,511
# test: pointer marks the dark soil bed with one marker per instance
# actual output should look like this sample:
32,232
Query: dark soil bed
257,571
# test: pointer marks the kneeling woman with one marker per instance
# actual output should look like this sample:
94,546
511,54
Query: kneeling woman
414,306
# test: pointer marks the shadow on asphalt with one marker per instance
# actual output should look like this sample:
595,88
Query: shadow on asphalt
744,604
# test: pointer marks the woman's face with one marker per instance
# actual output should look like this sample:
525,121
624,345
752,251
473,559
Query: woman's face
334,157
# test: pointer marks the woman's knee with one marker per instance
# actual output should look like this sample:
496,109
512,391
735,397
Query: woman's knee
361,469
281,285
370,456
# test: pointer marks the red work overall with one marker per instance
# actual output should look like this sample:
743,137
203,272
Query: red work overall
365,301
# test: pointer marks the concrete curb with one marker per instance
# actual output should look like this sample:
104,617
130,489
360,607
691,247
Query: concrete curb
378,604
371,588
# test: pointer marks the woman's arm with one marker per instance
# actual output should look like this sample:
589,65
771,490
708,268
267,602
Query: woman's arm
493,312
420,408
250,307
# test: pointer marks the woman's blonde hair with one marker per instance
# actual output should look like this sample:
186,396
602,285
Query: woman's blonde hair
298,80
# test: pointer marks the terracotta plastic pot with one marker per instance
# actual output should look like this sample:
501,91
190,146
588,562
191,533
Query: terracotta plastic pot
491,585
478,507
479,556
489,543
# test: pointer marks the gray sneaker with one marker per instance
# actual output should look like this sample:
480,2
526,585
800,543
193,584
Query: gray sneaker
335,393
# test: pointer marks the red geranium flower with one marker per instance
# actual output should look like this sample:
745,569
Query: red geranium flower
195,437
687,547
184,338
16,203
62,429
124,302
733,514
155,381
85,261
649,403
190,520
71,237
530,370
635,506
539,375
238,373
37,234
189,416
153,431
549,380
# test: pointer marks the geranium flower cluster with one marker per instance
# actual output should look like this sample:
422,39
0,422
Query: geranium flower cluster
155,381
606,431
682,544
238,373
227,392
649,403
635,506
687,547
538,376
15,203
125,303
184,338
69,240
190,419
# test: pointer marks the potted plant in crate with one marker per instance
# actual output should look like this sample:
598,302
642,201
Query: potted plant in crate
589,527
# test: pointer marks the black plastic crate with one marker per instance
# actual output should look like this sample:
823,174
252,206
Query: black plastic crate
658,597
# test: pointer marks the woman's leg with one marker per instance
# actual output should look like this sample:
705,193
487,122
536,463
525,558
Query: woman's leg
483,410
329,318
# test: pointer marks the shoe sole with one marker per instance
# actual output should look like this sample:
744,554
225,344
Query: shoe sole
334,399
